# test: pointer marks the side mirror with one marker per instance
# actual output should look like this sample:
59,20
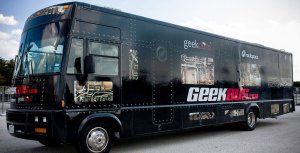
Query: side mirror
89,64
16,61
16,57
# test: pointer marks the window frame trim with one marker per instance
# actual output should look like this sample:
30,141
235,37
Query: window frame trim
83,54
88,41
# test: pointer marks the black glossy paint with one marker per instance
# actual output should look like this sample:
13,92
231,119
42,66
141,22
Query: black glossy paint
157,100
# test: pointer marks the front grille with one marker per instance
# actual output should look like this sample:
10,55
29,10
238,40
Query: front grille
30,118
25,122
16,117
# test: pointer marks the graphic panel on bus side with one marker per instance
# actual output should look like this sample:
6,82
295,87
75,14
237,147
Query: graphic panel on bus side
286,108
234,112
250,75
195,116
133,65
274,109
93,91
197,70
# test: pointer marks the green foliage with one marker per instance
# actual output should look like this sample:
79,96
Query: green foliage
297,84
6,71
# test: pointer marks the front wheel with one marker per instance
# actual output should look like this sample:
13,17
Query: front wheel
251,120
95,139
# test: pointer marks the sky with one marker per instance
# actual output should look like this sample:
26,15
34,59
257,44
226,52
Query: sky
272,23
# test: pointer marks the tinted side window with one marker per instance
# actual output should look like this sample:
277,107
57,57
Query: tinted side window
105,57
75,63
103,49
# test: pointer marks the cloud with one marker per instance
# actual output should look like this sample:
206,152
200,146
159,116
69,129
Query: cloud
9,20
271,33
4,35
16,32
9,43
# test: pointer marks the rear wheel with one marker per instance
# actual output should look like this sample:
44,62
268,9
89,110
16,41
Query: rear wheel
95,139
251,120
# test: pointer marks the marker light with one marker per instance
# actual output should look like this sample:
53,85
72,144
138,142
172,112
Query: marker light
66,6
49,11
62,103
40,130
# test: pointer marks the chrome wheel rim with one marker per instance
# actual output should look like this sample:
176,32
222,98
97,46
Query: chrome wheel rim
97,140
251,119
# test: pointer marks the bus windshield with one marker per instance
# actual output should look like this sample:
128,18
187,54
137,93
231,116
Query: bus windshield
43,49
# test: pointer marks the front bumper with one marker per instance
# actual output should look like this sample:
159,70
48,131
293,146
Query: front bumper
22,123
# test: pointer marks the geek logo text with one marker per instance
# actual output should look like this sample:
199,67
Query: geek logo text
220,94
196,45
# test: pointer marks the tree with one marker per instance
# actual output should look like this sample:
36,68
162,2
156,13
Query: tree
6,71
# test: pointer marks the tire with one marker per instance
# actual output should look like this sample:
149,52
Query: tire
95,138
251,119
49,142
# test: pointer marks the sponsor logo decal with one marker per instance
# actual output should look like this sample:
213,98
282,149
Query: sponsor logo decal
196,94
196,45
274,109
196,116
248,55
234,112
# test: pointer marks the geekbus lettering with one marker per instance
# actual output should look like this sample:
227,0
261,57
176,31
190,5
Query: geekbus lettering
220,94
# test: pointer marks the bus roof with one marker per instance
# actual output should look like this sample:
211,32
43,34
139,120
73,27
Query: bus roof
137,17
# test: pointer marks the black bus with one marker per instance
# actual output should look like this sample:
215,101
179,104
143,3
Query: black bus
88,75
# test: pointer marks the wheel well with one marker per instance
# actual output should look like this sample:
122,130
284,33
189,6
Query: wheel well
256,109
111,124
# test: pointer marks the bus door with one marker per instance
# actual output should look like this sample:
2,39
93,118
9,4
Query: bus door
101,88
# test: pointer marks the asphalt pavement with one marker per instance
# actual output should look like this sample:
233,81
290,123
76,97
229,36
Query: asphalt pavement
281,135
